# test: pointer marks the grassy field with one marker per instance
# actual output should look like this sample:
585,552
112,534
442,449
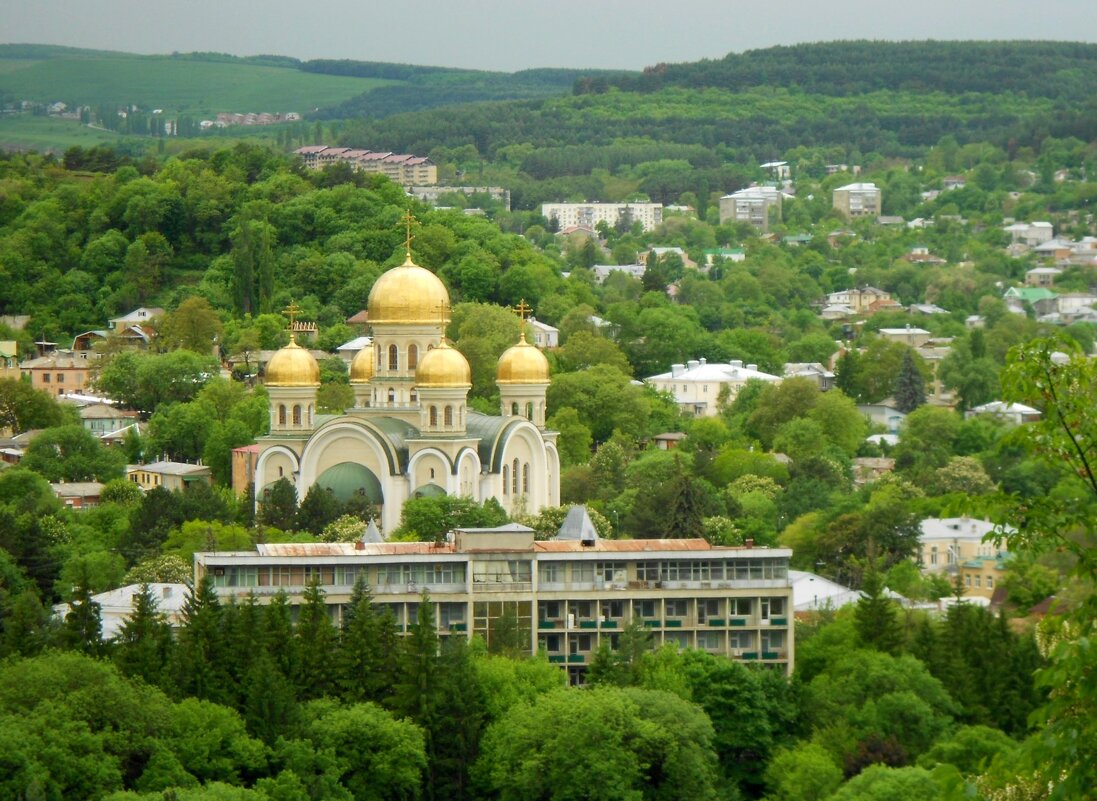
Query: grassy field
25,132
193,87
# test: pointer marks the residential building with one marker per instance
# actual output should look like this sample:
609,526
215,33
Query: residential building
814,593
431,194
819,373
1042,276
697,386
869,469
863,300
752,205
348,350
668,441
78,495
1030,234
1014,413
102,418
411,431
58,373
588,215
603,271
569,595
404,169
138,317
885,413
1018,298
116,606
957,546
912,337
544,335
9,359
169,475
780,169
714,255
858,200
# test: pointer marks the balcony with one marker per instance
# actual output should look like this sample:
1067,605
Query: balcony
750,655
458,627
738,621
577,658
557,659
609,624
652,624
714,621
547,624
778,621
674,624
588,624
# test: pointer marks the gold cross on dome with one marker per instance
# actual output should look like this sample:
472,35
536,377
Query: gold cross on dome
408,221
291,311
443,315
523,309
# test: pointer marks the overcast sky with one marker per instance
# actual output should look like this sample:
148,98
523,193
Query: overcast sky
516,34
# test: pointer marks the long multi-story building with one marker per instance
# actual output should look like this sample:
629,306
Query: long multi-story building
402,168
568,596
588,215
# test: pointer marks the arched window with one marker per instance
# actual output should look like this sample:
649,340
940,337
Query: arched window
413,356
529,410
514,408
282,414
414,396
380,357
514,477
432,472
506,479
280,472
434,416
525,479
392,395
394,358
448,417
297,414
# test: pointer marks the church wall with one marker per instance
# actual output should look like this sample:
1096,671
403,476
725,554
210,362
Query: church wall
431,468
273,465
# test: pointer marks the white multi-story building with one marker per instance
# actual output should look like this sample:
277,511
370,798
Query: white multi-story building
696,385
751,205
858,200
588,215
569,595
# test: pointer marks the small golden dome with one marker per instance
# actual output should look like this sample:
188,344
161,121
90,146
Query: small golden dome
443,366
361,366
522,364
409,294
292,366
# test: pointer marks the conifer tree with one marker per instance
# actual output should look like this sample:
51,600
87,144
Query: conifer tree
83,627
198,667
874,616
315,637
458,721
910,387
366,666
278,635
413,694
144,643
25,624
270,705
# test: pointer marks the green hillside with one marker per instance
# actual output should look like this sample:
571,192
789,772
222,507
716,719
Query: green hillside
170,82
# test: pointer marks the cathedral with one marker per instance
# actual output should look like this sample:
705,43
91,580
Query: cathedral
410,432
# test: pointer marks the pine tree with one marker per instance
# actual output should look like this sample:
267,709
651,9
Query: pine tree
198,667
25,624
365,656
459,717
315,636
413,695
270,705
910,387
83,627
278,637
144,643
874,617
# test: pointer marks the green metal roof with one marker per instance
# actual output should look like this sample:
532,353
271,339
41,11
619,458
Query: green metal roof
347,479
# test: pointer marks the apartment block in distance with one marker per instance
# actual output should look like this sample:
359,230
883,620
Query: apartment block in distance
404,169
751,205
569,594
588,215
858,200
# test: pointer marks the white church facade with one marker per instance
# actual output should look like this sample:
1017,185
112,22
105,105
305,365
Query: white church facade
411,432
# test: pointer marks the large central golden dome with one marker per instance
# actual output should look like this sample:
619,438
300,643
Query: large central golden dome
443,366
410,295
522,364
292,366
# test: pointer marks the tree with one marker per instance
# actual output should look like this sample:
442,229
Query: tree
366,657
253,265
319,508
143,646
804,773
198,667
910,387
875,616
83,627
278,505
22,407
194,325
71,453
315,644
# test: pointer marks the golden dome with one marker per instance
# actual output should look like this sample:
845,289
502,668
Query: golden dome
443,366
409,294
361,366
522,364
293,366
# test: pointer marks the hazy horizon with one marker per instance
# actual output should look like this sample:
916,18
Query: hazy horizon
508,36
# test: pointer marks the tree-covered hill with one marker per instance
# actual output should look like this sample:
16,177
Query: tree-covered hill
1061,70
